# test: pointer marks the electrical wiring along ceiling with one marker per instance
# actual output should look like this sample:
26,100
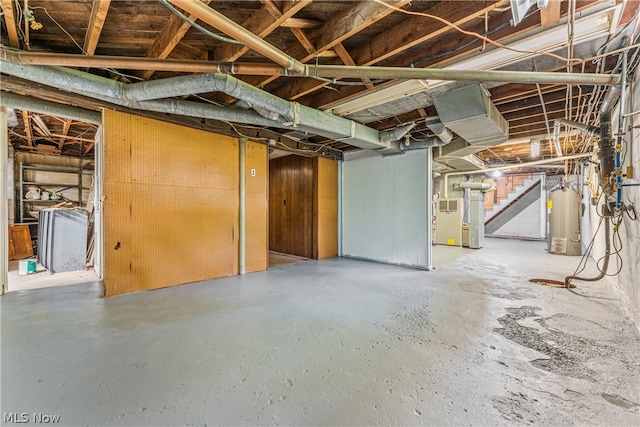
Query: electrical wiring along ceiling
434,34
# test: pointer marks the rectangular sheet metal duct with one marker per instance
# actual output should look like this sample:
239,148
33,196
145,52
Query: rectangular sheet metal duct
470,113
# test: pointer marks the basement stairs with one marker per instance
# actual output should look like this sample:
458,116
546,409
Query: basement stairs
513,194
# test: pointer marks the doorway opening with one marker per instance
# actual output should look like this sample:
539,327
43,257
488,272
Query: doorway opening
290,208
303,208
51,211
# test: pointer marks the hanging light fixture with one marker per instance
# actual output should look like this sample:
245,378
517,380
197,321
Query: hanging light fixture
535,148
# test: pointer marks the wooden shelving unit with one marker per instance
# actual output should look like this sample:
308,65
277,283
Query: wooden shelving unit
69,178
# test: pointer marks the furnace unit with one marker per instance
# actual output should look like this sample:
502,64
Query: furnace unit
449,222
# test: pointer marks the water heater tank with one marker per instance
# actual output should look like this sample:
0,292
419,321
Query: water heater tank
564,222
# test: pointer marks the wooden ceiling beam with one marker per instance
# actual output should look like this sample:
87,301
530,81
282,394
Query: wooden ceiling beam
350,21
356,18
532,101
169,37
26,118
537,112
303,39
532,129
537,119
72,138
442,45
392,122
65,131
348,60
417,30
11,23
550,15
513,92
555,104
262,23
301,23
272,8
96,22
89,147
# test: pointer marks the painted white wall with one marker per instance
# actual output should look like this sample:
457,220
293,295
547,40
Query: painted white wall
526,224
530,223
628,280
386,207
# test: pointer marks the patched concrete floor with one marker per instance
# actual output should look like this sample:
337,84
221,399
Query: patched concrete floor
334,342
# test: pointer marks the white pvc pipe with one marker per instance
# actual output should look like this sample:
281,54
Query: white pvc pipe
516,166
429,259
340,162
242,210
4,201
476,185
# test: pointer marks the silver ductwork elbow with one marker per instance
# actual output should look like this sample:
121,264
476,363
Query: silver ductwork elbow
610,99
441,132
396,134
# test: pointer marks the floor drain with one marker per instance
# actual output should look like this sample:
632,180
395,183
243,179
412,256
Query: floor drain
549,282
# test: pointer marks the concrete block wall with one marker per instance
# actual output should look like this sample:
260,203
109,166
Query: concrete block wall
627,282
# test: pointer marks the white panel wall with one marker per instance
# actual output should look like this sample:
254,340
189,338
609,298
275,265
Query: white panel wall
385,207
530,222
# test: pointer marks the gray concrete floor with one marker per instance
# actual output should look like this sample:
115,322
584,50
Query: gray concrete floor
42,278
334,342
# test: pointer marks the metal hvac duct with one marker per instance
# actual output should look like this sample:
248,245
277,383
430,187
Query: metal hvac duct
152,96
40,106
469,112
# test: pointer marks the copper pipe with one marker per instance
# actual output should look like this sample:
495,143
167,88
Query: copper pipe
139,63
323,71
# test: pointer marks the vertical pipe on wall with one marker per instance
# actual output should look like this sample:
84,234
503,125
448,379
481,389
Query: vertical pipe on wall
429,258
80,169
242,210
98,196
620,134
4,200
340,207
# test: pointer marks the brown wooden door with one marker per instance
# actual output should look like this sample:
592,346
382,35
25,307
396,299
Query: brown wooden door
291,205
20,242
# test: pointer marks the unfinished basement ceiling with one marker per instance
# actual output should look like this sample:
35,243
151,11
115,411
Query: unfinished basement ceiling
396,33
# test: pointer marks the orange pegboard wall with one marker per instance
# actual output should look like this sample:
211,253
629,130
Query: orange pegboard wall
171,197
326,208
